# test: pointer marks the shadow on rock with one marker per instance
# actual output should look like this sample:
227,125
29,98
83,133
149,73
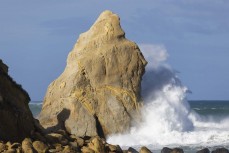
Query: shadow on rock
61,117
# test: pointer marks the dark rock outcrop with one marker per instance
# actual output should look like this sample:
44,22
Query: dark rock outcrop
16,121
174,150
99,91
205,150
220,150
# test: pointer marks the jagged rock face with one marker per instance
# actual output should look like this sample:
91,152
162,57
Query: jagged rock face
99,91
16,121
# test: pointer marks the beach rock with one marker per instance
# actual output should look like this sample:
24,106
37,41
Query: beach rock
174,150
74,145
114,148
87,150
10,151
97,145
132,150
144,150
40,147
177,150
205,150
54,137
58,148
16,121
166,150
80,141
27,146
220,150
2,147
99,91
15,145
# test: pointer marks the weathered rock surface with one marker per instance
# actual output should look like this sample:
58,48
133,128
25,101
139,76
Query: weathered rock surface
144,150
16,121
99,91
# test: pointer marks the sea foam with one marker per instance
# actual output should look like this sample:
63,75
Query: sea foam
167,117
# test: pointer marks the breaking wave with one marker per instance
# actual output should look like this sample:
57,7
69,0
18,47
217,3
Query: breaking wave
168,119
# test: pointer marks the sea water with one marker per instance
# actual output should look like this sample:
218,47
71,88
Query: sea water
211,132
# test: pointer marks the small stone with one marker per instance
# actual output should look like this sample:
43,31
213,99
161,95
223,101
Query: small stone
97,145
54,137
58,147
15,145
64,142
52,150
68,149
174,150
8,144
62,132
205,150
74,145
177,150
220,150
2,147
19,150
114,148
40,147
80,141
132,150
144,150
87,150
166,150
10,151
73,136
27,146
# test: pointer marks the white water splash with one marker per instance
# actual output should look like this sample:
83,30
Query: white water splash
167,117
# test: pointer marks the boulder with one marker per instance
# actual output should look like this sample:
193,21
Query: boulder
16,121
205,150
99,91
27,146
2,147
97,145
144,150
114,148
220,150
132,150
40,147
166,150
174,150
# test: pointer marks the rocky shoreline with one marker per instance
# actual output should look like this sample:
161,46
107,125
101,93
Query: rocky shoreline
97,95
62,142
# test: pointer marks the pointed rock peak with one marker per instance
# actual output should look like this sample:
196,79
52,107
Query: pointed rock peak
107,15
106,28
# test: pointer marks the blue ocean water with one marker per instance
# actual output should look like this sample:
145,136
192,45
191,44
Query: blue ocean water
217,108
214,108
35,107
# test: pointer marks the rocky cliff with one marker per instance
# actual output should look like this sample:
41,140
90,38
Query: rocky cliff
99,91
16,121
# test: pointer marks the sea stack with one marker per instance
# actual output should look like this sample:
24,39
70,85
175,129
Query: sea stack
16,121
99,91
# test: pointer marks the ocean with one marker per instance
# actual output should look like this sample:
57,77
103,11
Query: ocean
209,127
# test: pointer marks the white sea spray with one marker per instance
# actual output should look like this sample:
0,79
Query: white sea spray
167,117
